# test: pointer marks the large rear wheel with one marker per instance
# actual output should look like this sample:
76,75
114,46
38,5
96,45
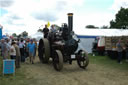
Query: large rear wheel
44,50
40,50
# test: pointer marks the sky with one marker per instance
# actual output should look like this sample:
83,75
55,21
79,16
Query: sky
17,16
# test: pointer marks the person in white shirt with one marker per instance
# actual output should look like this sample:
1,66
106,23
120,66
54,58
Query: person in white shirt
13,51
21,46
53,29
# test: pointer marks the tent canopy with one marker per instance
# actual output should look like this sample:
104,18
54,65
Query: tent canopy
37,35
102,32
93,33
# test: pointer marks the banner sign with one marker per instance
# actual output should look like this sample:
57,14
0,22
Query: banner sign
0,33
8,66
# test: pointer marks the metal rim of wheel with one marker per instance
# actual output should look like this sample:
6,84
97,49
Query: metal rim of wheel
58,60
82,61
46,48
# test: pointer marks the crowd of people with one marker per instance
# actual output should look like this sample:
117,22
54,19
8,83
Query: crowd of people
18,50
21,49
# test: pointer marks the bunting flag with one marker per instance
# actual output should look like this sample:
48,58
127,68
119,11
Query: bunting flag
48,24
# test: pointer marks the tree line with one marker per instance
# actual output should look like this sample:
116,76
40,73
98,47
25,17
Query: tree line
23,34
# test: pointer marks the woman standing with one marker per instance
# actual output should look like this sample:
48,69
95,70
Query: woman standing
13,51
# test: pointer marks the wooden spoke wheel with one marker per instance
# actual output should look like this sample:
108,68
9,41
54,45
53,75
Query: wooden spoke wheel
82,59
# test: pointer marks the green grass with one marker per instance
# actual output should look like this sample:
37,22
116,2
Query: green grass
21,78
10,79
108,63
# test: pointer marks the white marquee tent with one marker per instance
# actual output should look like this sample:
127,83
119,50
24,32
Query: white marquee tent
102,32
87,36
37,35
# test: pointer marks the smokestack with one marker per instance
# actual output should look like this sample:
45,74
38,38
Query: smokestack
70,21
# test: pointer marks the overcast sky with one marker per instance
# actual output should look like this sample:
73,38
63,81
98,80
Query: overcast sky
17,16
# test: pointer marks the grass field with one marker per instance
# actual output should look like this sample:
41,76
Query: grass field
18,79
101,71
108,63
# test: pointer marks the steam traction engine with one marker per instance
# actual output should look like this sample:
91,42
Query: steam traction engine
62,46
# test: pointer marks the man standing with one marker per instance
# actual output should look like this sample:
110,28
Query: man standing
119,50
18,59
35,42
8,46
31,48
126,46
4,49
45,31
21,46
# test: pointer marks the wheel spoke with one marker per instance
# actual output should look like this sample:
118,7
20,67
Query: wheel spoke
82,59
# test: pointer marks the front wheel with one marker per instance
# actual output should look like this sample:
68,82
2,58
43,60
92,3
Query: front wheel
82,59
58,60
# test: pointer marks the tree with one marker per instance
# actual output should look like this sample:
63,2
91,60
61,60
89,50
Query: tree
14,35
19,36
104,27
112,24
121,20
91,26
40,30
24,34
